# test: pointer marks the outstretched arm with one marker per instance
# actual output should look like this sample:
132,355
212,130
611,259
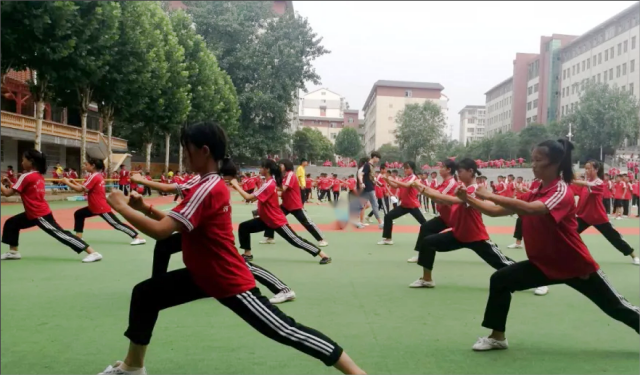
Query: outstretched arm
244,194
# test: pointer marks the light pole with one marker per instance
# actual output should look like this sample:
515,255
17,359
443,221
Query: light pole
570,134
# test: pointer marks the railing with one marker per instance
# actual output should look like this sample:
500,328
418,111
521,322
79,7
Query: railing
26,123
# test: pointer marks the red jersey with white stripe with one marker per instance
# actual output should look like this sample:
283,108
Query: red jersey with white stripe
590,206
559,253
409,196
184,188
510,189
96,196
627,194
608,185
466,221
268,206
291,198
336,183
248,183
11,176
447,187
380,187
123,177
618,190
208,244
30,186
309,182
502,189
433,184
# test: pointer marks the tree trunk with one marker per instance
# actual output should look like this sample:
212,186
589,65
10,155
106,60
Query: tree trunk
148,155
83,138
180,159
109,144
167,138
39,115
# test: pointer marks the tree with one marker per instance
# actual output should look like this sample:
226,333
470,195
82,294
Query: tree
505,146
43,35
390,153
558,129
348,143
310,144
420,127
530,137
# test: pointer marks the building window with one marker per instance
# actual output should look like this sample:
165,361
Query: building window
408,94
578,67
534,119
535,88
631,88
618,71
632,66
624,69
611,52
568,72
619,49
624,88
573,70
605,77
535,103
563,92
598,77
564,74
563,110
350,120
606,55
334,135
471,120
528,106
600,58
633,42
530,90
528,120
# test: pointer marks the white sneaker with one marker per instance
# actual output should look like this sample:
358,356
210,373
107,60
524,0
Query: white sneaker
93,257
619,218
116,370
385,242
359,225
365,224
11,255
413,259
541,291
515,246
421,283
267,241
487,343
635,261
138,241
283,297
323,243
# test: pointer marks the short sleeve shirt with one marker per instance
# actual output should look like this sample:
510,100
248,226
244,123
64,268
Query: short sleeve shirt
466,221
590,206
30,186
409,196
367,179
96,196
291,198
268,207
447,187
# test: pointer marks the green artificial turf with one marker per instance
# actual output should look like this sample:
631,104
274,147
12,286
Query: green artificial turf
59,316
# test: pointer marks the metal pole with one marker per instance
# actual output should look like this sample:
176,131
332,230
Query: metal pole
570,135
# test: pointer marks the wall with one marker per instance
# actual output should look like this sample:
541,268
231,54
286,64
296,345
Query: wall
310,104
10,154
520,79
499,109
156,168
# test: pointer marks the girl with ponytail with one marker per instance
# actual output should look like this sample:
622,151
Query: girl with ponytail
557,254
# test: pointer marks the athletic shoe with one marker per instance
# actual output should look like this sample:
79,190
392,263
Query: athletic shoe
541,291
487,343
422,283
413,259
11,255
325,260
283,297
138,241
635,261
118,371
385,242
515,246
248,258
380,226
323,243
359,225
267,241
619,218
365,224
93,257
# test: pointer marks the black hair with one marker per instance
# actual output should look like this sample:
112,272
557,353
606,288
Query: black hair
375,154
362,162
394,171
559,152
210,134
122,166
288,164
383,167
97,163
38,159
512,176
450,164
468,163
9,166
599,167
434,172
351,176
274,170
303,160
308,174
410,164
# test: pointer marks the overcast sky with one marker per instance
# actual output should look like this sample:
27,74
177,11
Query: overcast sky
468,47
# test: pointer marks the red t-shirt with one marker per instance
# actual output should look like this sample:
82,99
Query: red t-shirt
30,186
627,194
184,188
123,177
636,188
291,198
248,183
590,206
559,253
11,176
433,184
447,187
380,187
208,244
466,221
325,183
309,182
351,184
336,184
502,189
96,195
511,189
608,185
409,196
618,190
268,207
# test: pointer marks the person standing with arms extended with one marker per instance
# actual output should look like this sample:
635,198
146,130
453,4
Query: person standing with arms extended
301,176
367,185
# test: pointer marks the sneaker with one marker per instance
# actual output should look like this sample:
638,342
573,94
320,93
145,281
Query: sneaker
93,257
283,297
635,261
487,343
138,241
380,226
385,242
118,371
248,258
359,225
413,259
515,246
619,218
11,255
325,260
421,283
541,291
365,224
267,241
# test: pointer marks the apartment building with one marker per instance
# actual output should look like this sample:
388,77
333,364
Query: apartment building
472,123
499,104
327,112
386,99
608,53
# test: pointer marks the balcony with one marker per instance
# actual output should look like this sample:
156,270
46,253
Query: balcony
56,130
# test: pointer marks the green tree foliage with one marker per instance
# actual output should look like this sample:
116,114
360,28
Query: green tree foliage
348,143
310,144
420,127
390,153
531,136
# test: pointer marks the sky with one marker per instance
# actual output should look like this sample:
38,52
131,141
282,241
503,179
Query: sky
468,47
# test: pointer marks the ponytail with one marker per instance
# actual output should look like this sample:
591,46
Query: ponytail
599,167
227,168
274,170
452,165
38,160
468,163
559,153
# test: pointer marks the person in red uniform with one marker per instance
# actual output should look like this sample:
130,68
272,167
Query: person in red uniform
248,184
292,204
424,200
325,184
31,188
270,215
591,210
123,180
308,188
336,184
626,197
214,269
433,183
606,196
11,176
409,203
520,161
510,186
97,202
521,190
468,230
619,191
557,257
635,190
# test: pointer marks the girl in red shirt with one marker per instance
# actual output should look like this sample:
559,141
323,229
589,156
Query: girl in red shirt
97,202
31,188
11,175
591,210
270,215
606,196
409,203
619,191
467,230
214,269
626,198
434,185
557,257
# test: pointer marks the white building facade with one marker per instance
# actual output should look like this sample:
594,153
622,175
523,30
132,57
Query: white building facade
499,105
472,123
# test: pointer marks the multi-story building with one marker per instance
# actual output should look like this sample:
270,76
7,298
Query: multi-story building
327,112
472,123
499,104
608,53
386,99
